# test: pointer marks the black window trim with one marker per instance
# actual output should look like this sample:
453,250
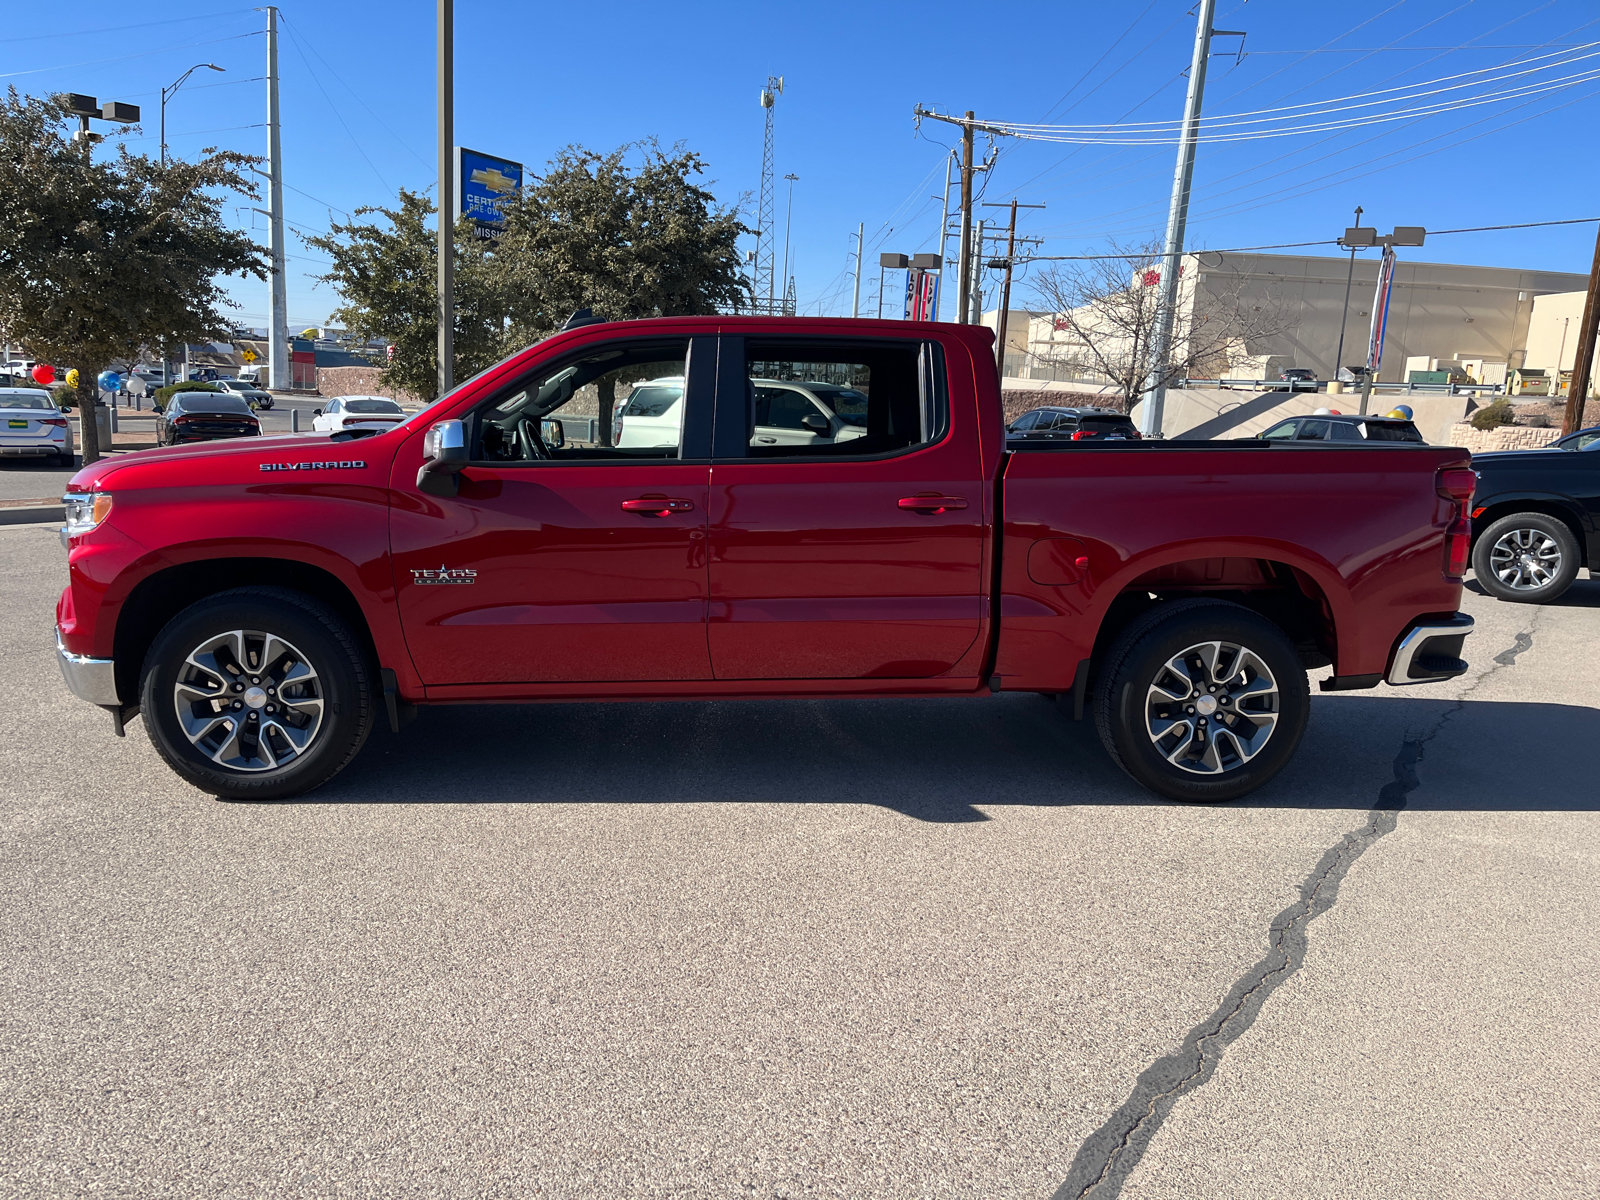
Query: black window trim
731,436
698,392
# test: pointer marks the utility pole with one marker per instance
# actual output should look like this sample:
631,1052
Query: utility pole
969,125
965,290
788,221
861,239
1005,288
1353,243
974,294
447,174
1578,390
944,226
278,318
1177,223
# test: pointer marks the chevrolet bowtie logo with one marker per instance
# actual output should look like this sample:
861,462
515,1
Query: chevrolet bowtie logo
444,575
494,179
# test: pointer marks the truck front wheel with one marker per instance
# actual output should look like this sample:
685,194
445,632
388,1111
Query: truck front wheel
1202,700
256,694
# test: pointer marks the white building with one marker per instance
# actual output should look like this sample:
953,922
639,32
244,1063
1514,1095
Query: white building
1481,317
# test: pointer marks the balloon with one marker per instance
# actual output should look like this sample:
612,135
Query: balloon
44,373
1334,412
72,377
109,381
1396,414
1402,410
1322,412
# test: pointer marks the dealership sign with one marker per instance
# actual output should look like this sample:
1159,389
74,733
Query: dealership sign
484,186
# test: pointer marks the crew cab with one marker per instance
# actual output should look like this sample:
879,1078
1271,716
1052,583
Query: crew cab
262,603
1536,518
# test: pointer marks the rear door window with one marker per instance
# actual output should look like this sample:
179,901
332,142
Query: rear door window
834,398
1313,431
1343,432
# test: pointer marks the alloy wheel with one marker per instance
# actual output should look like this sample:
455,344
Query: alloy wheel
1212,707
248,700
1525,560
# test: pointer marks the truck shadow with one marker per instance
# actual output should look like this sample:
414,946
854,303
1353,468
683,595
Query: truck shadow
946,760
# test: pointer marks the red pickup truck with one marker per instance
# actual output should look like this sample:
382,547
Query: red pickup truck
746,507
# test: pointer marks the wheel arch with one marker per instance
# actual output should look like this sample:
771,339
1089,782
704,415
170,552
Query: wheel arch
159,597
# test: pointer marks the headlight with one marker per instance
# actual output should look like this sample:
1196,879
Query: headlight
85,510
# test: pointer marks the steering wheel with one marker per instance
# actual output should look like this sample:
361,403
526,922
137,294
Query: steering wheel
528,439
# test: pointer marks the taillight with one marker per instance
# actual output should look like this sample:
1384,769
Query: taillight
60,421
1456,484
616,429
1082,435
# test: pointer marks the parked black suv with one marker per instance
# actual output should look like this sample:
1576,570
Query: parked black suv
1071,424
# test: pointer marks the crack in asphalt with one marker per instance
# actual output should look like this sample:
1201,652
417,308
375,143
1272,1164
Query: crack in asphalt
1109,1155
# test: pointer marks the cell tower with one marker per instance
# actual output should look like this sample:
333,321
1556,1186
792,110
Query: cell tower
766,300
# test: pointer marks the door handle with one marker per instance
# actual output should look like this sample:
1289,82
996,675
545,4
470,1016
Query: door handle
931,504
657,506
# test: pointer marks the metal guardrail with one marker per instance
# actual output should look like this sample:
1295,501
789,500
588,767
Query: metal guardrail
1351,389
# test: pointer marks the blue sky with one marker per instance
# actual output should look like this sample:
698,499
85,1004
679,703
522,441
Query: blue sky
358,111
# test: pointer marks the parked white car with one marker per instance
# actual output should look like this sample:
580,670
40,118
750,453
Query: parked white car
358,412
31,426
786,414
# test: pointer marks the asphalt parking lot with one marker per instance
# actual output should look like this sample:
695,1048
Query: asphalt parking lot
868,949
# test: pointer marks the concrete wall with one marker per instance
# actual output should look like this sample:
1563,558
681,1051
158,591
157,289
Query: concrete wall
359,381
1208,413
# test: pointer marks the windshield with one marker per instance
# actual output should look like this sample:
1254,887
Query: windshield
29,400
371,406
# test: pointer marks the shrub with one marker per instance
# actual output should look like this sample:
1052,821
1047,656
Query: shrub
164,394
1493,416
65,398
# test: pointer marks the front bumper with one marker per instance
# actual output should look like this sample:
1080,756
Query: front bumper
91,679
1431,652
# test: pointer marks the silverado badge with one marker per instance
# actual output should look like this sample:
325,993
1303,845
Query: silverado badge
444,575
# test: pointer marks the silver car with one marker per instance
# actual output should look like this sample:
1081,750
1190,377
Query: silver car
31,426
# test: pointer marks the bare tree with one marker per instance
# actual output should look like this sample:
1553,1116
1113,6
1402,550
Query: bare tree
1108,308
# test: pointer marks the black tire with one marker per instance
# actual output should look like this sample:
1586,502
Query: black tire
268,764
1218,768
67,461
1526,558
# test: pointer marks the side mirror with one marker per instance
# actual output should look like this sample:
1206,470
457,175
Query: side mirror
552,433
444,453
815,422
316,412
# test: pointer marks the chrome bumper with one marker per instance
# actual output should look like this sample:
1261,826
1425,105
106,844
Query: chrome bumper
91,679
1431,653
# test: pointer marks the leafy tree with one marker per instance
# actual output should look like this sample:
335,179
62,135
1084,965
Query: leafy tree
387,276
628,239
100,259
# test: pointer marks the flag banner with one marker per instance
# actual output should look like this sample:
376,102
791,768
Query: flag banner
1380,311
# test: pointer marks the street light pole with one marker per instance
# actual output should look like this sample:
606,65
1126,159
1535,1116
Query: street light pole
1338,355
447,306
170,91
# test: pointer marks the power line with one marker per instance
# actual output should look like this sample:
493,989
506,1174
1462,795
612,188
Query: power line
39,37
95,62
338,116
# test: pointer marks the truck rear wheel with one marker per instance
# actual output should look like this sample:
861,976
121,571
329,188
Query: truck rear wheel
1202,701
256,694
